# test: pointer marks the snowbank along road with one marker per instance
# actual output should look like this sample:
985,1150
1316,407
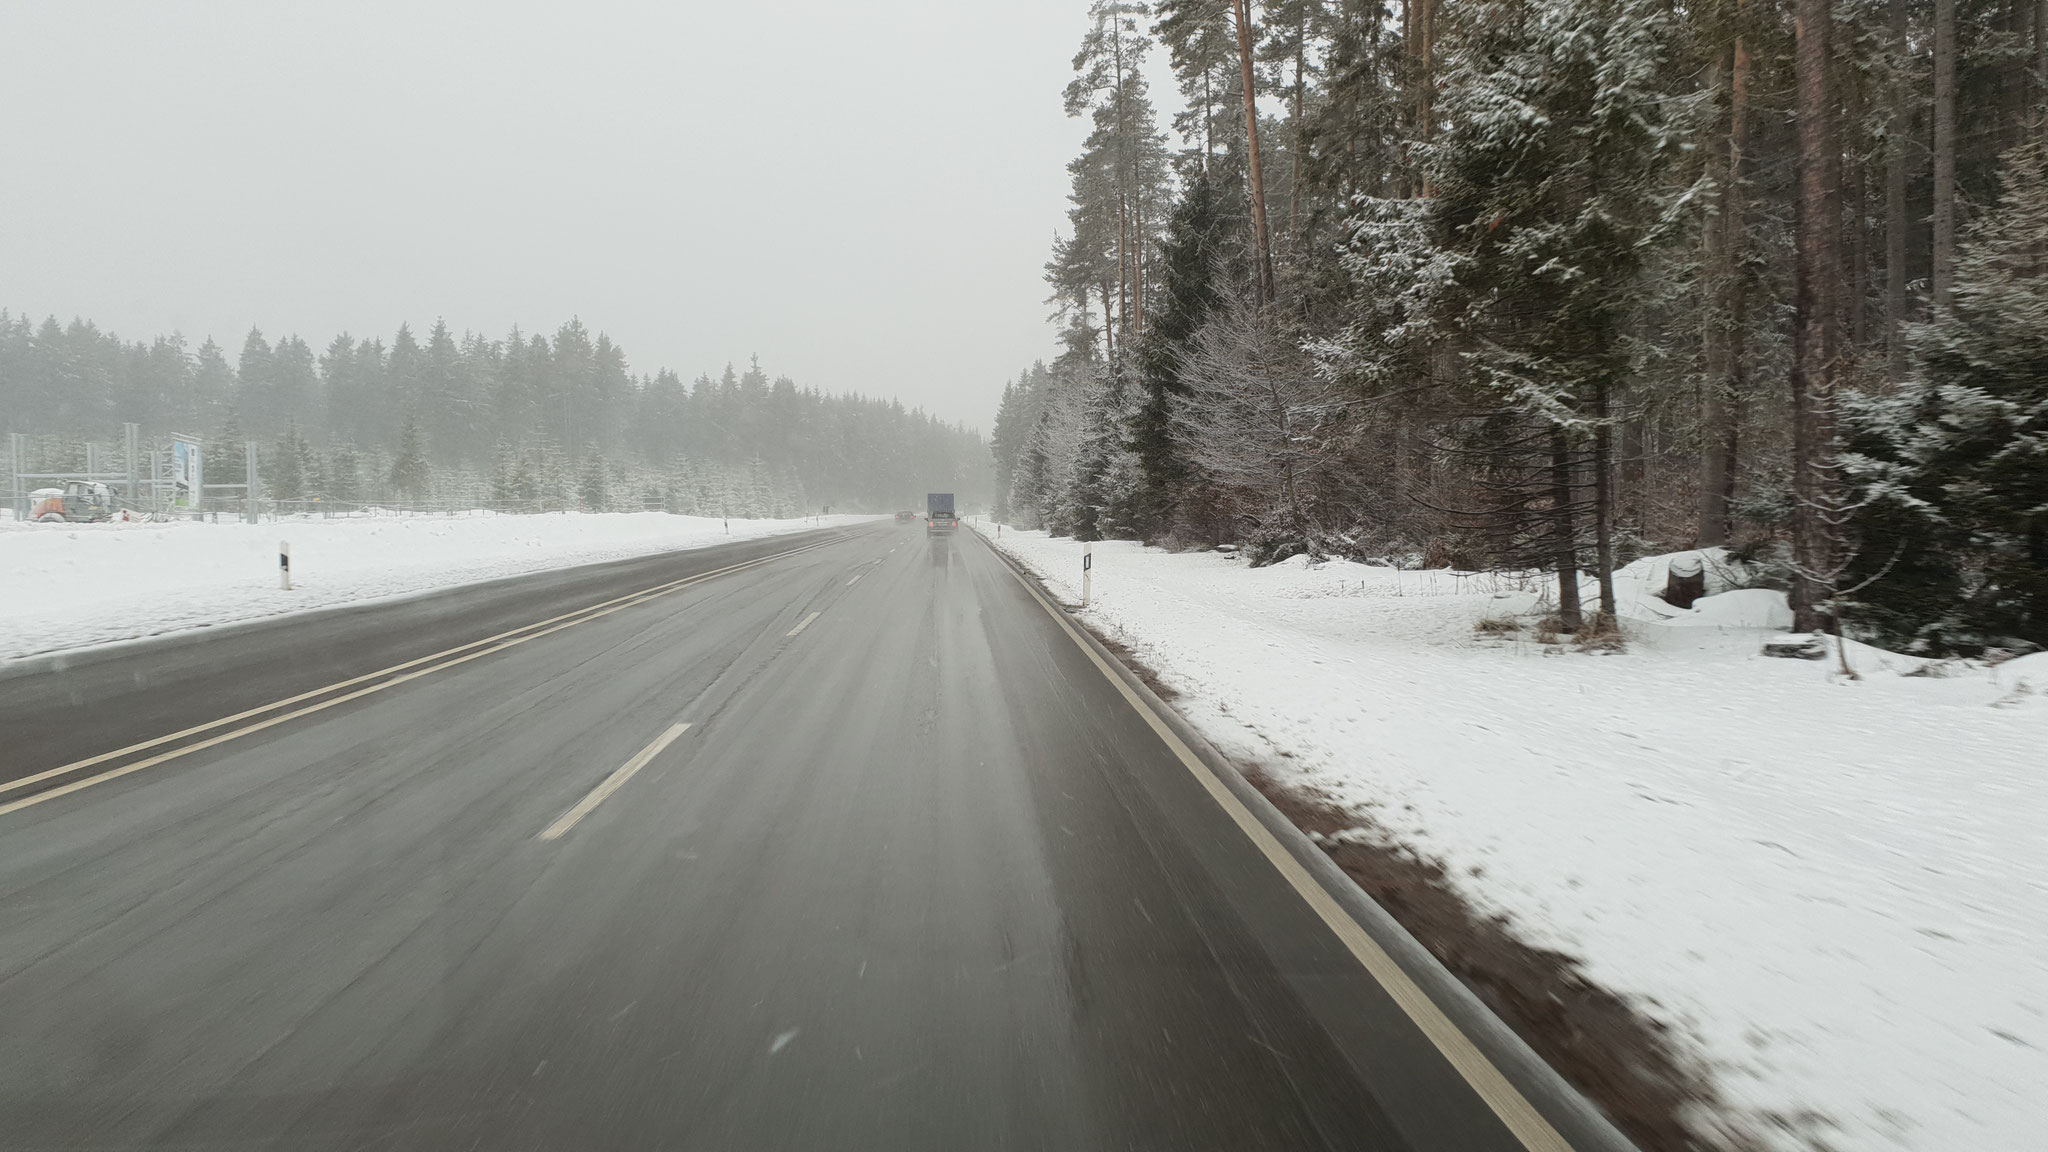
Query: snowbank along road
844,839
1831,890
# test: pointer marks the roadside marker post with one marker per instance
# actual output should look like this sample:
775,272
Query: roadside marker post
1087,567
284,565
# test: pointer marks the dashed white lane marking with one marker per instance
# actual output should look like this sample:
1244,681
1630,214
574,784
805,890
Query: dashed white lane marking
800,627
475,649
612,783
855,580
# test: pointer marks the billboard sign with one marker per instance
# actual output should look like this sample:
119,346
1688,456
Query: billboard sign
185,472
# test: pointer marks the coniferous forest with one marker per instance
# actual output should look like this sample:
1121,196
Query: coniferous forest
1553,285
522,423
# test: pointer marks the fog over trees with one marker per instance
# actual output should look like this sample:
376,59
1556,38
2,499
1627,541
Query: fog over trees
522,422
1556,284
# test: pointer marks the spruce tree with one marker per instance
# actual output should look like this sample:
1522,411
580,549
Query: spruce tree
593,489
1549,189
502,497
1190,260
344,474
1953,535
410,473
285,479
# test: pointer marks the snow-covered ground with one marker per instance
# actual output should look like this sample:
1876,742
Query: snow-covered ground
70,585
1840,888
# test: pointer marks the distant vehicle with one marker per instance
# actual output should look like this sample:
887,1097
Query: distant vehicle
78,502
905,516
938,514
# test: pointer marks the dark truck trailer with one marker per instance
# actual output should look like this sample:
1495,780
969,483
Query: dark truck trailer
938,514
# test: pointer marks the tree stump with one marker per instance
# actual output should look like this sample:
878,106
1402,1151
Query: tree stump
1686,580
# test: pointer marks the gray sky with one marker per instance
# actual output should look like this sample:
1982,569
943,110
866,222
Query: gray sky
862,193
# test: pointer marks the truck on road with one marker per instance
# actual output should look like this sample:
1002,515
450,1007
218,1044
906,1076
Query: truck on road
939,519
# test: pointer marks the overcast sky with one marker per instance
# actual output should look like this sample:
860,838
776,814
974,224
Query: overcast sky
861,193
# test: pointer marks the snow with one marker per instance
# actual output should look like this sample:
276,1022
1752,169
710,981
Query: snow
1838,887
70,585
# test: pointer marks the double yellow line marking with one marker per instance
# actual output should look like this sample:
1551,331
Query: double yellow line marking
398,673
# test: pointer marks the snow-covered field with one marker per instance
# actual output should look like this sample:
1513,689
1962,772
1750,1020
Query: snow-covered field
70,585
1839,888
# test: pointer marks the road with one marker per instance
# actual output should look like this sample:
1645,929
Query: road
839,841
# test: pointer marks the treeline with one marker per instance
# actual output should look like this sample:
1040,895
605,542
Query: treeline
519,422
1555,283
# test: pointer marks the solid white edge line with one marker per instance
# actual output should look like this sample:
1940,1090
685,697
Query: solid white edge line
1520,1117
611,784
805,623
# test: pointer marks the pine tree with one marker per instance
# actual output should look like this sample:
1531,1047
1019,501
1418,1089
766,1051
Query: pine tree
593,489
312,476
255,389
502,496
228,438
1262,237
344,474
1119,181
410,473
1191,266
285,477
1548,189
524,485
1953,534
1817,345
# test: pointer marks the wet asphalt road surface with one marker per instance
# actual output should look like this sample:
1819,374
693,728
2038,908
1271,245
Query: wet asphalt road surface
914,876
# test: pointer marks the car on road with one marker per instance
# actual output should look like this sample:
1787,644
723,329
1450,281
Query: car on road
939,519
905,516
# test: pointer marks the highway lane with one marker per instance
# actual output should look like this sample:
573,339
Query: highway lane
914,875
139,691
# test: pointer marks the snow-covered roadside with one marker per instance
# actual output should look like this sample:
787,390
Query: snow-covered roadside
1840,888
71,585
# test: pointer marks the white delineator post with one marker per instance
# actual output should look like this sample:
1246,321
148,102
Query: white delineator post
1087,567
284,565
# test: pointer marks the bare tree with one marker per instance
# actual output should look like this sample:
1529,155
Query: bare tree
1257,416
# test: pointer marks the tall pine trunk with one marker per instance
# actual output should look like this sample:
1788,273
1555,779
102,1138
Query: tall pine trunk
1896,128
1294,175
1565,530
1425,88
1409,39
1138,265
1262,240
1123,276
1108,326
1817,278
1858,296
1726,350
1943,280
1631,501
1603,502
